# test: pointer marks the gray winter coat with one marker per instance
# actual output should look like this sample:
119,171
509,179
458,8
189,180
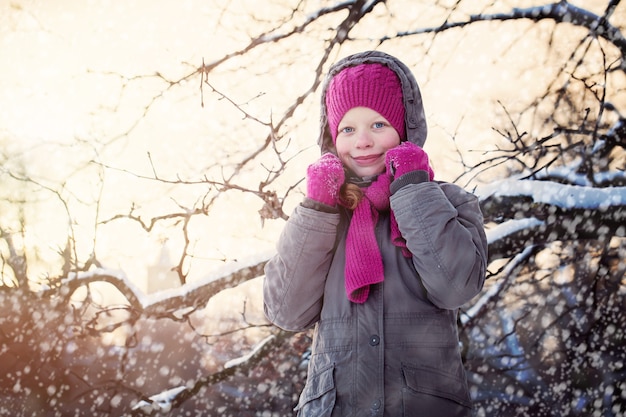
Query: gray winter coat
398,353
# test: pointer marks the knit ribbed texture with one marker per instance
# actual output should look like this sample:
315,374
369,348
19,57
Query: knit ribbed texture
367,85
364,263
324,178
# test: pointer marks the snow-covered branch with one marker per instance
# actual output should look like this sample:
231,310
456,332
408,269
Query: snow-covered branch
558,195
172,398
168,302
550,211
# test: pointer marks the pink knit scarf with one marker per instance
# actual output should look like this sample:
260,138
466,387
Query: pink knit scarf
364,263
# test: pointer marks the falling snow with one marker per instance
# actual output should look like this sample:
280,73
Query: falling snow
546,336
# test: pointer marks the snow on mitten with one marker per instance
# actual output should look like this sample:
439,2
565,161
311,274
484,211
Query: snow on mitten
407,157
324,179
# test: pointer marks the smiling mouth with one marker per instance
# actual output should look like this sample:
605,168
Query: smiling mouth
364,160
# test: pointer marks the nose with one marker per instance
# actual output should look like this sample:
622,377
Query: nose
363,140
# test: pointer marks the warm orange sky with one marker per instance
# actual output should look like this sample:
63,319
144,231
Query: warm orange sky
68,84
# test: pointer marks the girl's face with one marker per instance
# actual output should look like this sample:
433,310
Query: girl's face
363,139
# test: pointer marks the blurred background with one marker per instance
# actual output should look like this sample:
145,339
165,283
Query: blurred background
150,152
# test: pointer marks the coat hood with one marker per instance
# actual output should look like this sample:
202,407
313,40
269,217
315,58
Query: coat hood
414,118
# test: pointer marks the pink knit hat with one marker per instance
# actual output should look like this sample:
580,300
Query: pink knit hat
368,85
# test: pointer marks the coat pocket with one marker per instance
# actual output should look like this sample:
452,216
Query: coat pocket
319,394
430,391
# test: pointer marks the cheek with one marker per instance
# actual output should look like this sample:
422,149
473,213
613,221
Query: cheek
342,150
391,141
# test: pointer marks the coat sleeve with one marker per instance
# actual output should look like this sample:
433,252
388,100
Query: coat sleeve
443,228
295,277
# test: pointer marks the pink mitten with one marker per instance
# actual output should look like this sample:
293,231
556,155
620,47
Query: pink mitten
324,179
407,157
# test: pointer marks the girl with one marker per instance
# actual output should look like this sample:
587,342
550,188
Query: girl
378,257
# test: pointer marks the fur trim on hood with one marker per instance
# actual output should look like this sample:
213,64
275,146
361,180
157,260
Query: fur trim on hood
415,120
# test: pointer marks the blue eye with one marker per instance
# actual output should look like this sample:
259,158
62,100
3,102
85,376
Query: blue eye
379,125
346,130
